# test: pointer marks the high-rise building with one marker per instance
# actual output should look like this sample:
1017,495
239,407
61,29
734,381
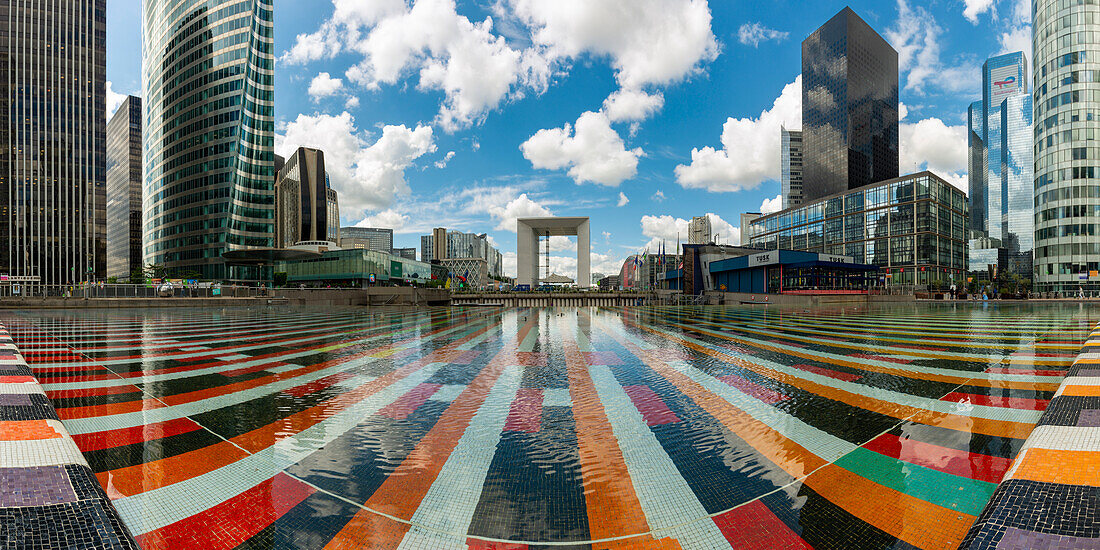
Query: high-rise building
53,121
443,244
306,207
747,226
209,135
1066,93
367,238
124,189
700,231
1001,168
407,253
791,168
849,107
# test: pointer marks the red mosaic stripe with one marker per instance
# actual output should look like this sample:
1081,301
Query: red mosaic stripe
845,376
526,412
138,434
234,521
952,461
408,403
754,526
653,410
998,401
753,389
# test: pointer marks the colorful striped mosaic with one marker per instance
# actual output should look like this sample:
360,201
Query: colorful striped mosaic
565,428
49,497
1050,497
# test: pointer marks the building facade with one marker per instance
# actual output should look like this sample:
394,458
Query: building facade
407,253
700,230
209,135
367,238
1000,151
124,190
913,228
356,267
443,244
53,211
306,206
1066,92
791,166
849,107
472,273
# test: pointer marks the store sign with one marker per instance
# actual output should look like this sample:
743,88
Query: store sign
20,278
764,258
835,259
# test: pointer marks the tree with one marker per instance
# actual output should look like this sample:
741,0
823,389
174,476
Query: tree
280,278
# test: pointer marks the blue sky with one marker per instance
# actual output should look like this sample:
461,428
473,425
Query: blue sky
637,113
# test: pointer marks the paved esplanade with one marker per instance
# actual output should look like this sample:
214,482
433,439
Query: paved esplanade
528,231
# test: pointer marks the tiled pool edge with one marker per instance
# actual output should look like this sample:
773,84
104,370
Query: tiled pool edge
49,497
1050,497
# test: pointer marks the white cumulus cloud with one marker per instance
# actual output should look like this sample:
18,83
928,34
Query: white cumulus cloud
932,145
916,37
388,218
974,8
519,207
323,85
592,151
771,205
622,199
114,100
752,34
750,148
632,105
367,176
668,229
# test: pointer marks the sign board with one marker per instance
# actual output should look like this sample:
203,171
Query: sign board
835,259
396,271
1004,80
21,278
764,258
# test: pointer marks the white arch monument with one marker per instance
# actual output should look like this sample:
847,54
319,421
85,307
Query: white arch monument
529,230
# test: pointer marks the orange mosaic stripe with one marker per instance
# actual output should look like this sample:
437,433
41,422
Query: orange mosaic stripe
1056,466
401,493
932,526
613,506
27,430
809,355
1002,428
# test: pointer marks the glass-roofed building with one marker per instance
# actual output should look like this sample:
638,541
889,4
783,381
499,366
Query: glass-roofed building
912,227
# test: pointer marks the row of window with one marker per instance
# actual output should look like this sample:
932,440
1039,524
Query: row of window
1066,174
1070,230
1075,135
1066,193
1071,211
1068,249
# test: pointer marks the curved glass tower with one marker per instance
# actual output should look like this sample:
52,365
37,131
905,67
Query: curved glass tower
1066,95
208,182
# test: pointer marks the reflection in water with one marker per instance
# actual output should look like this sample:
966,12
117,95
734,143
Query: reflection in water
840,426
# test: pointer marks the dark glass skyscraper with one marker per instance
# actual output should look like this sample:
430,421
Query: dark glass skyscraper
306,207
209,135
124,189
849,107
52,139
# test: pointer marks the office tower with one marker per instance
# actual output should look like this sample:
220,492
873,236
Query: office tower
849,107
1066,201
407,253
53,128
209,133
1000,165
367,238
443,244
791,168
306,207
124,190
699,230
912,227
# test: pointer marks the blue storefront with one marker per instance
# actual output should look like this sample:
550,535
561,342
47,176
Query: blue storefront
791,272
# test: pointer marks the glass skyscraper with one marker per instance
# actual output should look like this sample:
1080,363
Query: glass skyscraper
53,126
209,134
849,107
791,169
1000,170
1066,92
124,189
